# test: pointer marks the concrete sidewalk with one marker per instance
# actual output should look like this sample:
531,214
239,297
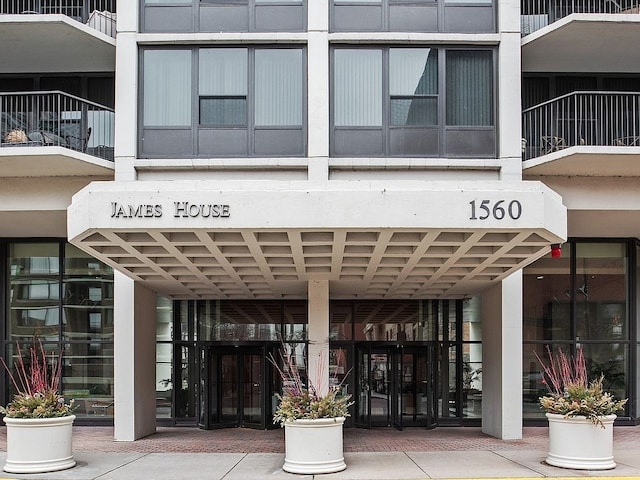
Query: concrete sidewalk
462,453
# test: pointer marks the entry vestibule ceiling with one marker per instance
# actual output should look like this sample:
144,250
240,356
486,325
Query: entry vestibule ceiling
274,241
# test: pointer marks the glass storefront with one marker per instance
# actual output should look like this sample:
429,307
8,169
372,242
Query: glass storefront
406,363
581,299
63,297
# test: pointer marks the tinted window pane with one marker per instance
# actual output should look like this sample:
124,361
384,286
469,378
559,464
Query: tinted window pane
278,84
167,88
34,293
610,360
87,377
358,87
413,71
547,298
223,111
239,320
600,291
295,320
414,111
469,88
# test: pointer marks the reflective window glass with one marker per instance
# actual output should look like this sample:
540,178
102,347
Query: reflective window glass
413,86
601,291
164,379
87,377
164,318
34,291
547,298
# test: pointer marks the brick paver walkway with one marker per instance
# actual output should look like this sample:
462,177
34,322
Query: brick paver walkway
242,440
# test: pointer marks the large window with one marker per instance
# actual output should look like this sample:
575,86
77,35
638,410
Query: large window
223,102
413,102
64,297
580,299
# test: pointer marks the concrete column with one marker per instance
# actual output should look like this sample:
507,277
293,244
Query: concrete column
319,334
318,106
134,359
509,113
126,105
502,359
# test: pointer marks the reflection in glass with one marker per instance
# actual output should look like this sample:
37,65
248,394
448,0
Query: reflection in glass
547,298
295,320
228,388
386,321
75,302
164,379
240,320
600,291
252,368
339,369
340,320
610,360
87,377
164,318
34,291
413,86
87,305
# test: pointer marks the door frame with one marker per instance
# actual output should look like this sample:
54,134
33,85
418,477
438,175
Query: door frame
209,392
396,402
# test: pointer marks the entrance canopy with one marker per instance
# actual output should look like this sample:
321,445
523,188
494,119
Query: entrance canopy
266,240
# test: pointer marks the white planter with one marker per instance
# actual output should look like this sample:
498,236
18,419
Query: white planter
575,442
37,445
314,446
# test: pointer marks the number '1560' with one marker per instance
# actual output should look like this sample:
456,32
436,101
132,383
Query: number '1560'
498,209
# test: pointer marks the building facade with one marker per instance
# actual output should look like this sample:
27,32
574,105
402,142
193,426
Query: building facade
347,181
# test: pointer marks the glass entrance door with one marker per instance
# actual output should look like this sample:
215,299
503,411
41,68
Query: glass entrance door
238,387
394,386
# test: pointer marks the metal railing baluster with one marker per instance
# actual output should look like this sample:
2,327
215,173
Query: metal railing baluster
54,118
582,118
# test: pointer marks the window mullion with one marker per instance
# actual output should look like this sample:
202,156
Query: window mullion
250,100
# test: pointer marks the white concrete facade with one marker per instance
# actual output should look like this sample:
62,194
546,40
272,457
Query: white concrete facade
375,196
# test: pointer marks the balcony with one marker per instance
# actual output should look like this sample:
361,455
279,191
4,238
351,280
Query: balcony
80,35
583,134
54,134
580,35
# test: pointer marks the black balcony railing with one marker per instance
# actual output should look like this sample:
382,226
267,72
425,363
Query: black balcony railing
98,14
36,119
536,14
581,118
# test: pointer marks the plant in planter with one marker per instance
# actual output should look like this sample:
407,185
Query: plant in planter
38,415
312,421
580,414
